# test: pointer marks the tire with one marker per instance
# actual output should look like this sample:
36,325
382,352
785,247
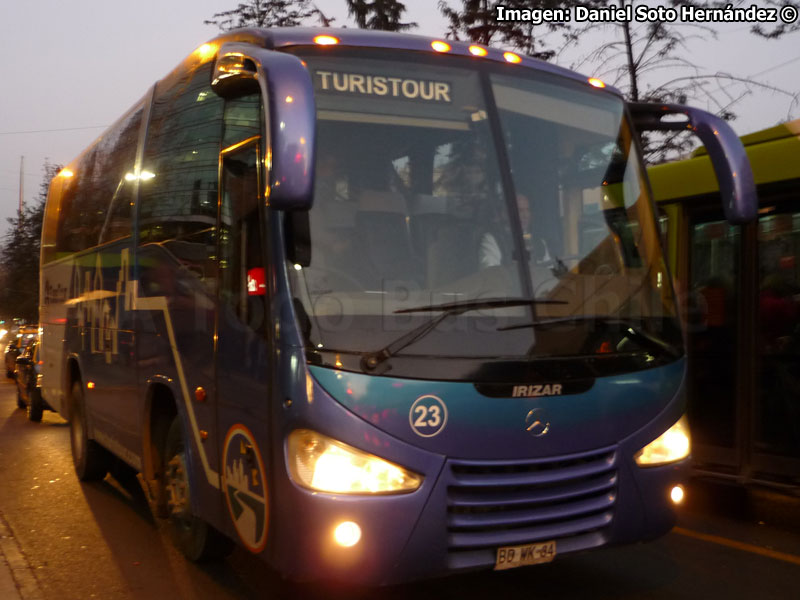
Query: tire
91,460
35,406
20,401
195,538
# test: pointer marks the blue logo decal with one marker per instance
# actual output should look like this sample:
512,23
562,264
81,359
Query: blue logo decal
245,487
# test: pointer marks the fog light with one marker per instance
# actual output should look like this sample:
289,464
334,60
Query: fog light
347,534
677,494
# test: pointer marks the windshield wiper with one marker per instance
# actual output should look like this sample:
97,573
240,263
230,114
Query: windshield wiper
371,360
628,326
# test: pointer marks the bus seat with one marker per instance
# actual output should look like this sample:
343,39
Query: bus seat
381,201
333,231
453,254
334,214
383,231
428,217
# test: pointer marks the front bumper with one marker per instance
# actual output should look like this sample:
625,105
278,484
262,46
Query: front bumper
467,509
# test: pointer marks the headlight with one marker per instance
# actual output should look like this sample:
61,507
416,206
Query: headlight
323,464
672,445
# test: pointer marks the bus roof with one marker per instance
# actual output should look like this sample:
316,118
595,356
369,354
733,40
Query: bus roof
286,37
774,155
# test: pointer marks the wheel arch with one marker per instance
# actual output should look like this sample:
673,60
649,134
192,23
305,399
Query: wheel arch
160,408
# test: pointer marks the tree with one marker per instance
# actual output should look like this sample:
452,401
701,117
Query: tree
635,53
19,253
776,31
649,63
379,14
267,13
477,22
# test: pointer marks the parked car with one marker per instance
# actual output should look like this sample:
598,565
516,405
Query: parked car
16,344
11,354
27,375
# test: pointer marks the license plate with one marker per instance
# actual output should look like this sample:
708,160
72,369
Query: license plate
509,557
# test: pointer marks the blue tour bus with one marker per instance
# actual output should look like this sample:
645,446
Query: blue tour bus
376,306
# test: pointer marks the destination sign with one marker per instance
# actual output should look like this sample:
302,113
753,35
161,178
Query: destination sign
384,86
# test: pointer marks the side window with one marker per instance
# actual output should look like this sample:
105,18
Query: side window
178,198
96,203
242,272
242,119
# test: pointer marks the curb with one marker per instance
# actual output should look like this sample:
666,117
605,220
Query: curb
776,508
17,581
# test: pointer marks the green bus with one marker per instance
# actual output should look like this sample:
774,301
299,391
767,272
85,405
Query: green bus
739,287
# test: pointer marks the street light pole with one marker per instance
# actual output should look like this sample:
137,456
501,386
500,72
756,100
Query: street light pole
21,185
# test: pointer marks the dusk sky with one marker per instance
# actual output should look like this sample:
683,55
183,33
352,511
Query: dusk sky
72,68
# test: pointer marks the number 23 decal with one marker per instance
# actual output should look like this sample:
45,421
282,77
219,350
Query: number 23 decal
428,416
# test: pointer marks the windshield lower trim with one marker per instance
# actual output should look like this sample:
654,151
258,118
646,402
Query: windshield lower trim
498,370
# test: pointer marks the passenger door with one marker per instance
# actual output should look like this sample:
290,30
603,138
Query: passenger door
743,342
714,341
241,347
242,357
776,406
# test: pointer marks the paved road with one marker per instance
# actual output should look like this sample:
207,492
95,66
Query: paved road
100,541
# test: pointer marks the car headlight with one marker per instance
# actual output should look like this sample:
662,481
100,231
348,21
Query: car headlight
672,445
323,464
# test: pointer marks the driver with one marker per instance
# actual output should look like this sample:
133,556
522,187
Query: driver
495,250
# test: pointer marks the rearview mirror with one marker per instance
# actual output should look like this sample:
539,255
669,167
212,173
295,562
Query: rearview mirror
288,96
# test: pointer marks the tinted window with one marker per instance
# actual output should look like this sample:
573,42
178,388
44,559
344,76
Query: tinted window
98,197
243,281
178,201
242,119
777,420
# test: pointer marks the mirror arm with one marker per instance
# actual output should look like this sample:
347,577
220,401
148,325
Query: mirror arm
725,149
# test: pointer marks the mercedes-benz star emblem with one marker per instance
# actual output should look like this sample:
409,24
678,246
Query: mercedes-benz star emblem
536,424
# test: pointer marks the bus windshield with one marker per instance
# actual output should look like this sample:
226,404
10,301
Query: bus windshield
445,183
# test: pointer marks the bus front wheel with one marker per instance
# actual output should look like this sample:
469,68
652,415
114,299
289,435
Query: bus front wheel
195,538
91,460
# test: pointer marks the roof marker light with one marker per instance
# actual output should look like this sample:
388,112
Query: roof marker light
478,51
65,173
512,58
440,46
326,40
206,52
598,83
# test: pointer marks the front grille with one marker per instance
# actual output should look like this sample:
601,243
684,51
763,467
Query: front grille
505,503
